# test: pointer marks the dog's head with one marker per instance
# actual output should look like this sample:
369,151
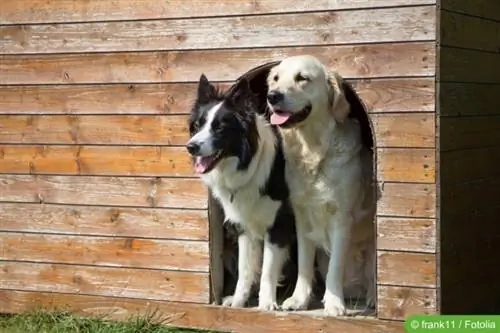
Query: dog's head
299,86
222,126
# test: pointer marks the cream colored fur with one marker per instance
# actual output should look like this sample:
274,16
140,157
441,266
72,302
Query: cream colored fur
330,177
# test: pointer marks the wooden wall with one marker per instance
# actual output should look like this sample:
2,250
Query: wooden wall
98,197
469,180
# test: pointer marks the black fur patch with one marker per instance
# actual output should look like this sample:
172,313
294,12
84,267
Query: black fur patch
234,128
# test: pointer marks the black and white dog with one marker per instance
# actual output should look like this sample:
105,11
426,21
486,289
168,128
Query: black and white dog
238,155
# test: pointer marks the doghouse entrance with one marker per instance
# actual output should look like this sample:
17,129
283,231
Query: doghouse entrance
223,237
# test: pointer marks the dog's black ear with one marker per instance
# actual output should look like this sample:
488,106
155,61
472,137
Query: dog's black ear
240,93
206,91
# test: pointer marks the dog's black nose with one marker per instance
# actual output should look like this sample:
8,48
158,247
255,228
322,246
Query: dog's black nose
193,148
274,97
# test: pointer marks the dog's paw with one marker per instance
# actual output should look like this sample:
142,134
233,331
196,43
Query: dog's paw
333,306
233,302
227,301
295,303
267,304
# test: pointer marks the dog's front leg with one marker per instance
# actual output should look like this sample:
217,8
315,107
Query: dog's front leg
272,265
340,235
249,258
303,288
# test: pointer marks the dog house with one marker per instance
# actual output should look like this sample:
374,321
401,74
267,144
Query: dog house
100,212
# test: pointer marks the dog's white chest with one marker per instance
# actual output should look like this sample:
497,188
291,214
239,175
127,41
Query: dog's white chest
248,208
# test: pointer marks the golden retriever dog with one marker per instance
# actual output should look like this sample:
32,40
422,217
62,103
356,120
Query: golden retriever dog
330,176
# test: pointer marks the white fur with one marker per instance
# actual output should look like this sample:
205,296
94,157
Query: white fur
329,179
203,138
239,194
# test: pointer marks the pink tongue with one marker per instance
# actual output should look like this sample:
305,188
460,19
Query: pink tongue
201,164
280,118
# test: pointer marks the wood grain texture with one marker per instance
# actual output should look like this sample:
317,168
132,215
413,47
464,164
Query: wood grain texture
113,191
163,223
192,315
462,65
406,165
407,200
105,281
96,160
398,303
98,99
470,243
458,133
406,269
122,130
469,165
352,61
394,164
461,99
106,251
469,32
405,234
473,198
483,8
391,130
343,27
379,95
395,95
40,11
404,130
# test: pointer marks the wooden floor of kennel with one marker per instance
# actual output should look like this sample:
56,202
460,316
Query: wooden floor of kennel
101,213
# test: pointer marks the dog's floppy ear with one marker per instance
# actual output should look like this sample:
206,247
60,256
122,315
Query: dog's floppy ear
337,100
206,90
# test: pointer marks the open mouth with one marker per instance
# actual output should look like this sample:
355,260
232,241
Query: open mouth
286,119
204,164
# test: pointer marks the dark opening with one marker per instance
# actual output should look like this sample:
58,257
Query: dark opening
223,239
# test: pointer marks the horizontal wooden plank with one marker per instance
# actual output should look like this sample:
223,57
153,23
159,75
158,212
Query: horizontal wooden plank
113,191
403,130
191,315
398,303
122,130
391,130
394,95
394,164
98,99
405,234
473,199
106,251
105,221
470,242
405,165
469,32
352,61
483,8
406,269
381,95
469,164
40,11
461,99
459,133
318,28
462,65
407,200
96,160
105,281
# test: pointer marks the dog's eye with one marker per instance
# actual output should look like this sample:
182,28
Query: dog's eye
275,78
301,78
